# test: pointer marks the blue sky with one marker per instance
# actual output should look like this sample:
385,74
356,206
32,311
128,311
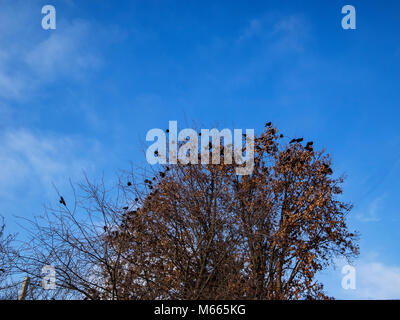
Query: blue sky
83,96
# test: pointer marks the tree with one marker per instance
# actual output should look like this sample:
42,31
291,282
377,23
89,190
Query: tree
200,231
8,285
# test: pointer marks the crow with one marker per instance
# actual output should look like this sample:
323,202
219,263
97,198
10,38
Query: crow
129,184
281,136
328,170
268,124
299,140
62,201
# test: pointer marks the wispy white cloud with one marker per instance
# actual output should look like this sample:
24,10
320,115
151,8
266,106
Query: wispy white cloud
65,52
31,56
278,33
375,280
373,209
254,27
292,33
30,162
378,281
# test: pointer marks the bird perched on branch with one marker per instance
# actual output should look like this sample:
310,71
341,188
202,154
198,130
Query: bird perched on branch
309,146
62,201
298,140
328,170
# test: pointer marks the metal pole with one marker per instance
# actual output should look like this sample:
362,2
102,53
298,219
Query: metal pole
24,289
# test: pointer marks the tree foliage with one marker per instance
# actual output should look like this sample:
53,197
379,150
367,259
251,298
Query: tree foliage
200,231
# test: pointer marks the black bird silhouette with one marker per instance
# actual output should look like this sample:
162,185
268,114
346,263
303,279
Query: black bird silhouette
309,143
299,140
162,174
328,170
62,201
125,208
136,199
268,124
129,183
105,228
167,130
281,136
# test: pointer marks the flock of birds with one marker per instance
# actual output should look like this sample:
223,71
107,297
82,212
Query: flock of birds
308,147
